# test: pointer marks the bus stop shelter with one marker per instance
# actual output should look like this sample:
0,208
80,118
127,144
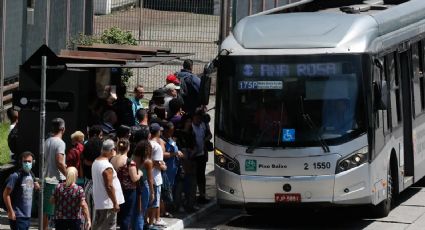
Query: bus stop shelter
74,80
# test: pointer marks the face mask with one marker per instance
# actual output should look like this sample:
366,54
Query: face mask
27,166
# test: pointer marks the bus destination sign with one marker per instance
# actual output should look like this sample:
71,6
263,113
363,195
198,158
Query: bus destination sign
287,70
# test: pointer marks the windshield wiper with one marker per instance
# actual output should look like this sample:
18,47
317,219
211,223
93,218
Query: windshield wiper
307,119
259,138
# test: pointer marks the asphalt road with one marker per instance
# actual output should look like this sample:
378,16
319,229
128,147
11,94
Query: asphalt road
408,214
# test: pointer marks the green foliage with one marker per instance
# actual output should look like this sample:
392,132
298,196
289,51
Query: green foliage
115,35
126,74
83,40
4,148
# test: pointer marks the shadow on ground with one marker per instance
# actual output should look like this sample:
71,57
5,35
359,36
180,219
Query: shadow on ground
358,217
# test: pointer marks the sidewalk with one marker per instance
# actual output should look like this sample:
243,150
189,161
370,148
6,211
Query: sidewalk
179,221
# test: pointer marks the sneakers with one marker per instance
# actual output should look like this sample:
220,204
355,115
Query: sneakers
160,222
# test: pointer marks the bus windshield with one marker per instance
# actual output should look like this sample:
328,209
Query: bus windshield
278,101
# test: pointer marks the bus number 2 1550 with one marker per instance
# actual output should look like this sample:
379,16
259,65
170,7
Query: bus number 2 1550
318,165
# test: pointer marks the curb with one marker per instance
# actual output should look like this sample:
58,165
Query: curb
190,219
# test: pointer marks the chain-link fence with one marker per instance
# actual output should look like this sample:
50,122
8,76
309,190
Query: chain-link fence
185,26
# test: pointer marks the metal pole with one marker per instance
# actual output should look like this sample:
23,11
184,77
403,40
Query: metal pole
68,21
228,17
223,16
3,46
140,20
47,23
42,131
84,17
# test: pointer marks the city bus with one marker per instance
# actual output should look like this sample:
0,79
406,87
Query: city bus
322,103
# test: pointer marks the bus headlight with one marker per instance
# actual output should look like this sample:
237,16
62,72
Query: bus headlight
353,160
224,161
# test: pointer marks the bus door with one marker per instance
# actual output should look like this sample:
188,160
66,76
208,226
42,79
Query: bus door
407,114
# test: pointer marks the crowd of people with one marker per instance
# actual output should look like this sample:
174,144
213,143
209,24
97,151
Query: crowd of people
136,165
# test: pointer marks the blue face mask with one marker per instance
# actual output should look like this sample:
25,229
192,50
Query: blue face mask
27,166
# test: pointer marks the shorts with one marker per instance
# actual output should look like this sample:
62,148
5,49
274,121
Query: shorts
157,196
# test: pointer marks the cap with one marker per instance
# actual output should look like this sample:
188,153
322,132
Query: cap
159,93
172,86
172,78
155,127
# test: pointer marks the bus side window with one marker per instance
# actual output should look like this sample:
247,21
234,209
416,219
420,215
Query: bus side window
383,118
418,77
395,89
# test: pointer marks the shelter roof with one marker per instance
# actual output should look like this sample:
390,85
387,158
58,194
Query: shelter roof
105,56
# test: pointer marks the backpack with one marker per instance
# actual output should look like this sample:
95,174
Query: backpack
186,84
18,181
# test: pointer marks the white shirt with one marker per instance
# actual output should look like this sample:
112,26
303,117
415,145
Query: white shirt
157,155
167,100
100,196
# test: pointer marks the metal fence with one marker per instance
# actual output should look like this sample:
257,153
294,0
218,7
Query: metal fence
243,8
185,26
25,25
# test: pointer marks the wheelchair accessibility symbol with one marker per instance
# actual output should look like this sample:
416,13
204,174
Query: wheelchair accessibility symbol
288,135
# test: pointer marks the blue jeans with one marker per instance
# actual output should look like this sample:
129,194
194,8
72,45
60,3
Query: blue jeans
21,223
140,216
127,208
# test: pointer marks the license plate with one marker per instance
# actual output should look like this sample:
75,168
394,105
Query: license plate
287,197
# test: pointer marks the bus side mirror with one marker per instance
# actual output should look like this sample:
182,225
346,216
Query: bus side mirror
209,68
381,95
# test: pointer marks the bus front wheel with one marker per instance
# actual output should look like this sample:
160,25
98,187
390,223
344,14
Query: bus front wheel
384,208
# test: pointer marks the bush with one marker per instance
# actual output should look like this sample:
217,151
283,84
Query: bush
4,149
115,35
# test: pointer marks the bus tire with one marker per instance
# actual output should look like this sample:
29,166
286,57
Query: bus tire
384,208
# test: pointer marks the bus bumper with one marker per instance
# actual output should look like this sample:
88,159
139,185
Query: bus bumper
347,188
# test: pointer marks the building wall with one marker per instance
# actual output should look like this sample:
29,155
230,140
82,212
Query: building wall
59,33
13,37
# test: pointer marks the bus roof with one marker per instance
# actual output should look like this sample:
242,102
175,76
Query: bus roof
331,27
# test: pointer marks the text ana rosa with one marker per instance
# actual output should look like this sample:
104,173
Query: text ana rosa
314,69
273,166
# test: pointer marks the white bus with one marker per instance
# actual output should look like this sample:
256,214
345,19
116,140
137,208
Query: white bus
322,102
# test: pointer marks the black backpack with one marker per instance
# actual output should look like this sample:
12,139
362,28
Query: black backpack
185,84
18,181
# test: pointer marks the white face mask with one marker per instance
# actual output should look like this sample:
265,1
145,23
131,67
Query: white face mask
27,166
